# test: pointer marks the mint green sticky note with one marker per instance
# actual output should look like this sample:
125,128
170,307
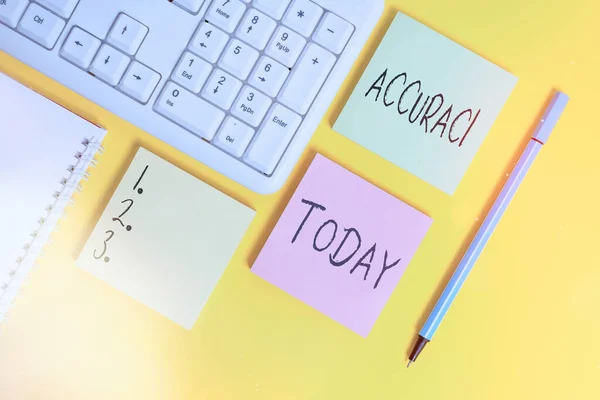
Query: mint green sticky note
425,103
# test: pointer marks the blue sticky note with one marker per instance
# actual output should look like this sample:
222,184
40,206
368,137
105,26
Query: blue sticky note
425,103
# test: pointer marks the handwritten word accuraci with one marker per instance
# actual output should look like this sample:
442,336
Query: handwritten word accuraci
453,124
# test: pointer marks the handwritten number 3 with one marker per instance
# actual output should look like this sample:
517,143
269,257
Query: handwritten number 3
110,236
112,233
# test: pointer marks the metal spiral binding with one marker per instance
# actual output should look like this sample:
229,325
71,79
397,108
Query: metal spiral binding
48,223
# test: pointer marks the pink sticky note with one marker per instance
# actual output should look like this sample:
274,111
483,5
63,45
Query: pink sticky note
341,245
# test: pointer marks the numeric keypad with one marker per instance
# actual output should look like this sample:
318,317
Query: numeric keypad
265,95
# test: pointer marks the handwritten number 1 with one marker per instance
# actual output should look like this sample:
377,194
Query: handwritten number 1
140,190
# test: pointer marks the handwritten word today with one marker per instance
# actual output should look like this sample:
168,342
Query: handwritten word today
346,249
427,113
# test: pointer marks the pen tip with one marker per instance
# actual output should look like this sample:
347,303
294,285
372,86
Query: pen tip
409,362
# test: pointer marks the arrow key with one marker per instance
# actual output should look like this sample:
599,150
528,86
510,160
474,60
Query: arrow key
269,76
221,89
139,82
256,29
80,48
127,34
209,42
109,64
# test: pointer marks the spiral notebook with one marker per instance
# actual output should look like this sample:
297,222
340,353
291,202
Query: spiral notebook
45,151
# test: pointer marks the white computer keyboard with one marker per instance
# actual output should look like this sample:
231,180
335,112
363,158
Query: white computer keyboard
238,84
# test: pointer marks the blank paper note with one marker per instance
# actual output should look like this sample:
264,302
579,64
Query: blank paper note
165,238
341,254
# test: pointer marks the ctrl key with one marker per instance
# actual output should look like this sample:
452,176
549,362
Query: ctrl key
41,26
191,112
273,138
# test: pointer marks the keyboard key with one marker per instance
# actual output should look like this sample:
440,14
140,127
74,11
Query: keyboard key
209,42
221,89
234,136
333,33
109,64
226,14
11,11
303,16
192,6
41,26
80,47
189,111
251,106
64,8
192,72
239,59
256,29
269,76
273,138
127,34
285,46
274,8
307,78
139,82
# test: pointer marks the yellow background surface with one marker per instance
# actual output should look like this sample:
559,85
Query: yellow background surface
526,325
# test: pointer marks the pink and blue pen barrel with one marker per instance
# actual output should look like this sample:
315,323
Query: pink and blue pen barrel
541,135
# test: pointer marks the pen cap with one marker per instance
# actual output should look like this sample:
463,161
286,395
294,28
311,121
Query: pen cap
551,116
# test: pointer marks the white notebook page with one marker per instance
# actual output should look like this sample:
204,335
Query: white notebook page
38,142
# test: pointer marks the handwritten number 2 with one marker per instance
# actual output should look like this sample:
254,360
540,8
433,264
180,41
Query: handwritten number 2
110,236
118,219
128,207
